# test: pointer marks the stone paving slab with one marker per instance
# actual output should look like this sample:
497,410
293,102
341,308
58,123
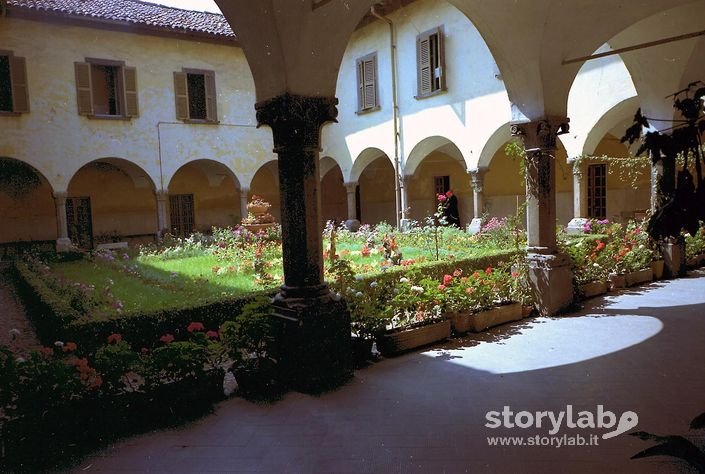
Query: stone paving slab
641,350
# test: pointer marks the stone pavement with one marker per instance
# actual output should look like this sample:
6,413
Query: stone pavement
641,350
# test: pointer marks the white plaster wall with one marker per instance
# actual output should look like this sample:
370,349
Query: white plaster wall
57,141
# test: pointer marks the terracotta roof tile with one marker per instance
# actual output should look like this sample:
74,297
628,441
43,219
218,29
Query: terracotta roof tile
131,12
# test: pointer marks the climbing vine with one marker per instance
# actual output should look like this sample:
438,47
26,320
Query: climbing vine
629,169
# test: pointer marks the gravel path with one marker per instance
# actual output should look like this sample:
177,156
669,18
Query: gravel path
12,316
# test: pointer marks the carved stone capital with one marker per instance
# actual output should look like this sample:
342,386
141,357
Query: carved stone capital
60,196
540,135
477,177
351,187
161,195
296,120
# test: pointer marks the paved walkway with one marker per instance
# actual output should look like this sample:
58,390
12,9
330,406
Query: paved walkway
642,350
15,330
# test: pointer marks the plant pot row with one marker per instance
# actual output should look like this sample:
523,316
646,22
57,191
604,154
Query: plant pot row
412,338
696,262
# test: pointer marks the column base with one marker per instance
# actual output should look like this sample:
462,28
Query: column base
577,225
551,279
353,225
475,226
315,350
64,245
673,259
405,225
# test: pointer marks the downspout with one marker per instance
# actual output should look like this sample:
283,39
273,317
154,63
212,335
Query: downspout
395,114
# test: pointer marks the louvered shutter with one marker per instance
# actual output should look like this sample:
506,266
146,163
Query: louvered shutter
423,59
131,102
211,106
84,92
181,94
18,80
441,73
370,82
360,85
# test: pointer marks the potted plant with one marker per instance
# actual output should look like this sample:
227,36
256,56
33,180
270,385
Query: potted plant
257,205
414,317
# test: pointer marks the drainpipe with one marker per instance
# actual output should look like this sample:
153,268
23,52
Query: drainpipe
395,113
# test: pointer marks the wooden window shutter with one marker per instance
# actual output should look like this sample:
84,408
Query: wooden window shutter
84,90
18,80
211,105
360,85
370,80
423,60
441,59
181,94
131,102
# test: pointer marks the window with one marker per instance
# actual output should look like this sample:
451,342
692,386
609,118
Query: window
441,184
367,83
13,84
79,221
195,95
597,191
181,213
106,88
430,63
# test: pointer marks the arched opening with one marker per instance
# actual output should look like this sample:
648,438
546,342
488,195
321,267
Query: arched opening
26,206
375,193
333,194
265,183
203,194
505,186
435,166
110,200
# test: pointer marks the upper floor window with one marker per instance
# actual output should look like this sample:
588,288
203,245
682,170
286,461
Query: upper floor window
367,83
106,88
430,62
13,83
194,90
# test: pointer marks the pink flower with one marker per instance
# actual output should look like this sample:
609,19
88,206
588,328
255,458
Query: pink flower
488,270
441,287
447,279
144,350
196,327
457,272
167,338
442,198
212,335
114,338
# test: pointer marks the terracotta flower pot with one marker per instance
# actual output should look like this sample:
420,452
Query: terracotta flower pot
407,339
657,269
638,277
594,288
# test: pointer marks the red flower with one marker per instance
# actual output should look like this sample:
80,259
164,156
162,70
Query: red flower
447,279
488,270
441,287
515,274
167,338
457,272
476,275
114,338
144,350
46,351
600,246
212,335
69,347
365,250
196,327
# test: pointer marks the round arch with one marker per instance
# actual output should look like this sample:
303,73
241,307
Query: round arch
333,192
26,204
426,147
365,158
95,216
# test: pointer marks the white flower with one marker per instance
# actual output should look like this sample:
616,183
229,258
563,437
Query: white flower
403,280
373,284
417,289
596,265
59,344
336,296
19,360
229,384
358,294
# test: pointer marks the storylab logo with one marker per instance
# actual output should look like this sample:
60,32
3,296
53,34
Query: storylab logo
550,423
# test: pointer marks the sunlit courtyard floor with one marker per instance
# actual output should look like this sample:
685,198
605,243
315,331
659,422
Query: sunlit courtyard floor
642,350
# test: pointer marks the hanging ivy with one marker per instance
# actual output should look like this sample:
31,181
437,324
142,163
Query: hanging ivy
17,179
629,169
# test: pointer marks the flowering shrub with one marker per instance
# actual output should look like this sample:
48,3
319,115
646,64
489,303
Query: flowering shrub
592,260
633,251
413,304
477,291
695,243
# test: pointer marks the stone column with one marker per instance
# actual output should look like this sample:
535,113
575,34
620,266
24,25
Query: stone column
351,190
315,324
576,225
404,221
163,224
477,176
549,271
243,201
63,242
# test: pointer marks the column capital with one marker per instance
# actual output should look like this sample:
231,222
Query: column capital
60,195
296,120
350,187
577,168
161,194
540,135
477,177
